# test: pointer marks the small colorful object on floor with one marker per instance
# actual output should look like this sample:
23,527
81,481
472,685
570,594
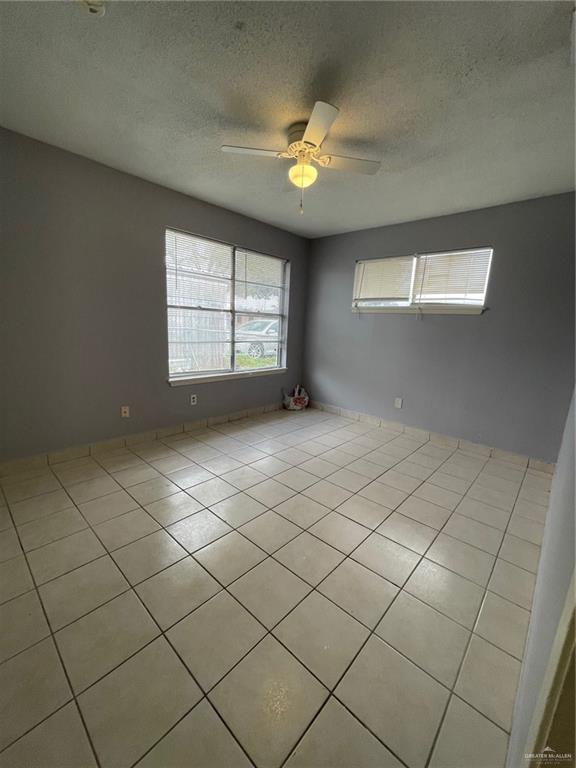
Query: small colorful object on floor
297,400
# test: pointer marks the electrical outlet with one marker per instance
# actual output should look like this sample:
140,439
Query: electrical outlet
193,399
398,402
125,411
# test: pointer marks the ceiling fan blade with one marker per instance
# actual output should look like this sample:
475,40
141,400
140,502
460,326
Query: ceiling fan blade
251,151
352,164
322,117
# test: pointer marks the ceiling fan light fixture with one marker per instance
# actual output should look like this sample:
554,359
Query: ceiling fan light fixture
302,174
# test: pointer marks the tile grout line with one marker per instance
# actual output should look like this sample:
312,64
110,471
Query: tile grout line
369,531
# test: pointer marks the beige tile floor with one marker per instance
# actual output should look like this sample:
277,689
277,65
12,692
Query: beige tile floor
293,589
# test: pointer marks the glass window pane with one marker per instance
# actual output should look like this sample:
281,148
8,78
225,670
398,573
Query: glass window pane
188,290
199,341
257,268
257,342
252,297
193,254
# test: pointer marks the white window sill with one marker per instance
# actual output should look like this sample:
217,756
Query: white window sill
421,310
182,381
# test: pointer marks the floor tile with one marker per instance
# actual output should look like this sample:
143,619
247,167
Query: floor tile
173,508
238,509
451,483
359,591
322,636
269,591
229,557
32,686
270,531
176,591
399,481
9,545
513,583
302,510
268,718
270,493
464,559
319,467
270,466
531,511
519,552
411,469
408,532
244,477
171,463
337,740
126,715
26,489
439,496
390,560
220,465
198,530
107,507
484,513
15,578
452,595
398,702
74,594
153,490
383,494
364,511
426,637
147,556
60,741
468,739
424,512
484,662
54,559
296,478
339,532
40,506
309,558
37,533
126,528
503,624
349,480
212,491
475,533
104,638
93,489
191,476
215,637
526,529
503,500
200,739
327,493
23,624
135,475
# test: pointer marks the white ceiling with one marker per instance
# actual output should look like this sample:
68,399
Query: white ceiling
467,104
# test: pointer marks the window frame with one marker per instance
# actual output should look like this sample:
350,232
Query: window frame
176,380
428,308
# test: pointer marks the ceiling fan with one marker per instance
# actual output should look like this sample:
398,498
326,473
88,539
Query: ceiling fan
305,146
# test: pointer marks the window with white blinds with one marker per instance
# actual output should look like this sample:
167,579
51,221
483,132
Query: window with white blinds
227,308
455,281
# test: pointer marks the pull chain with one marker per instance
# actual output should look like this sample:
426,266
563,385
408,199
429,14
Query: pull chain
301,201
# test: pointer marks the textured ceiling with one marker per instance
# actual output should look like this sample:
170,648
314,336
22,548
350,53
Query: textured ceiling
467,104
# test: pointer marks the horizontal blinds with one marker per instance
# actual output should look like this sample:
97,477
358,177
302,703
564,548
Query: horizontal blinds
459,277
383,279
198,272
225,306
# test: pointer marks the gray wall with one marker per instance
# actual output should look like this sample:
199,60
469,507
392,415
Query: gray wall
82,314
503,378
554,576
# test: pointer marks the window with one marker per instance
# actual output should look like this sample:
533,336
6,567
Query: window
227,308
433,282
